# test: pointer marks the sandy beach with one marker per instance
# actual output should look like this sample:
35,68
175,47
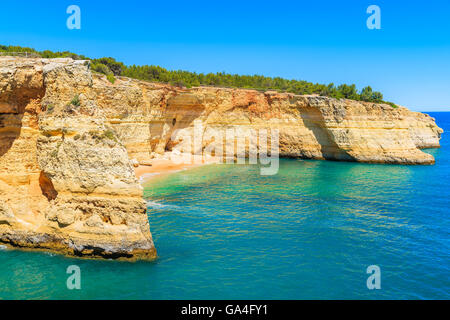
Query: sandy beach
163,166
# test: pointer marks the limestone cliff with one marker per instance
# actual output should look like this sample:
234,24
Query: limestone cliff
68,139
66,181
152,119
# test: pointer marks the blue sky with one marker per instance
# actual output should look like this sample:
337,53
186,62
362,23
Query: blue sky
408,60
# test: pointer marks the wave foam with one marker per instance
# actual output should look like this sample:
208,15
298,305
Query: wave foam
161,206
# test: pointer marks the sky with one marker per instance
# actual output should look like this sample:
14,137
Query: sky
408,59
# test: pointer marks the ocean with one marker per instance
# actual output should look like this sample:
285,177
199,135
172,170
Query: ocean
309,232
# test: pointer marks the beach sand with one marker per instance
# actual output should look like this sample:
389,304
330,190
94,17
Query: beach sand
163,166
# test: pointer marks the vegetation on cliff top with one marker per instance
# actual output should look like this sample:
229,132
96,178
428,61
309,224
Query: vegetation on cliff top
112,68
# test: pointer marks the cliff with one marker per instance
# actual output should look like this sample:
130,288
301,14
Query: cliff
66,181
68,140
152,119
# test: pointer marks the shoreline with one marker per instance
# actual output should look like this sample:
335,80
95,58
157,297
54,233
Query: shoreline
158,167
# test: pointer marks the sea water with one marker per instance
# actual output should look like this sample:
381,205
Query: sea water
309,232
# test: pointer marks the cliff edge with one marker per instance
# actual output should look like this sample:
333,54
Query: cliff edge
66,181
68,139
154,119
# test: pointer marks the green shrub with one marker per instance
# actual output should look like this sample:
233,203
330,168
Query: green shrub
112,65
75,101
109,134
50,108
112,68
101,68
111,78
393,105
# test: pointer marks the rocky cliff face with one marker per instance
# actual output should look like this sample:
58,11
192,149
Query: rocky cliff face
67,137
152,119
66,181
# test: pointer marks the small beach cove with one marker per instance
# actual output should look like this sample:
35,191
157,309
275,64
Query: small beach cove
308,232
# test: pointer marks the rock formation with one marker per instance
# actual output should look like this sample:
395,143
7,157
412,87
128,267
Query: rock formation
68,140
146,116
66,181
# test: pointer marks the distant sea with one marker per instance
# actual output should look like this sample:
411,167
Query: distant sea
309,232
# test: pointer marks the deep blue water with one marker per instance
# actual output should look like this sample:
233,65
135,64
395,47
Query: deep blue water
309,232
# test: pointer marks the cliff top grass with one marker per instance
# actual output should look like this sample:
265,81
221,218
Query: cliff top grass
112,68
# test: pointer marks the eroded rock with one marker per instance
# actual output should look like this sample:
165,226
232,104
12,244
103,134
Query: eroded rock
67,136
67,182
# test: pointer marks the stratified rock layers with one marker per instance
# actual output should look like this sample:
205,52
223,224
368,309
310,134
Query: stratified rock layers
154,118
66,181
68,139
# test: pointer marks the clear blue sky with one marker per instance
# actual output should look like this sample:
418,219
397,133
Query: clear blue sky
408,60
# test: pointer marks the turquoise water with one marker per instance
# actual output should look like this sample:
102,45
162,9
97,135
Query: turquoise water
309,232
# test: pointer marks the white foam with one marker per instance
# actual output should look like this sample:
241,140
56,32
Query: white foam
147,176
161,206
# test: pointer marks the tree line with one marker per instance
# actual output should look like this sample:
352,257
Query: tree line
112,68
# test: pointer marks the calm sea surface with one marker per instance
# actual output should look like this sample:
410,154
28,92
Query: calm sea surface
309,232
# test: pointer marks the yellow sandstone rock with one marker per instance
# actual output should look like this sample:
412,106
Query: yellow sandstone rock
69,140
152,119
66,181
